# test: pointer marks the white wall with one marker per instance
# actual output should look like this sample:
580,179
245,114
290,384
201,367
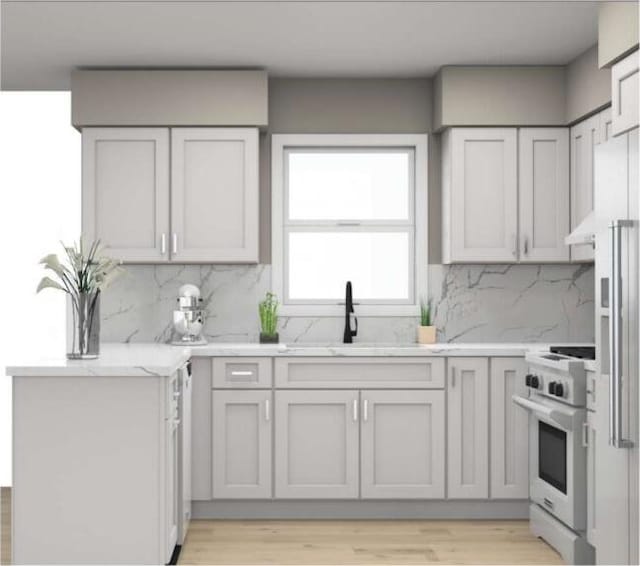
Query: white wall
39,206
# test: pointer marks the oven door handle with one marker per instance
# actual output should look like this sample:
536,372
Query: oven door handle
561,419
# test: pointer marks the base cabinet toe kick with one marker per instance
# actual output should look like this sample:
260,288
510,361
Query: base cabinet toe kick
315,437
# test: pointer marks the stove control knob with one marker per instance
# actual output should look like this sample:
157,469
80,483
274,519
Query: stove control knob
535,381
527,379
559,392
552,388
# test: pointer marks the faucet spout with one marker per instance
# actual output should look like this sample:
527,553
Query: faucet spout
348,315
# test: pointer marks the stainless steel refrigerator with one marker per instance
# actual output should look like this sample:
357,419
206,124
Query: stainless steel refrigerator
617,211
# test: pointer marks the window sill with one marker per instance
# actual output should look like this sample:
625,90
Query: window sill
359,310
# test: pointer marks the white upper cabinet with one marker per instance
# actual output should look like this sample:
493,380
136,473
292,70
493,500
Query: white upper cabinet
624,94
480,195
212,213
505,195
584,137
544,194
125,191
214,194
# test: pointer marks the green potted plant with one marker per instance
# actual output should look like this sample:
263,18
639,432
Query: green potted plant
83,274
269,319
426,331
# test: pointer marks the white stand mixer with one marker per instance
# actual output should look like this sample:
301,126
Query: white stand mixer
189,319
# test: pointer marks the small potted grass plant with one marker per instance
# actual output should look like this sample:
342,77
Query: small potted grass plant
269,319
426,331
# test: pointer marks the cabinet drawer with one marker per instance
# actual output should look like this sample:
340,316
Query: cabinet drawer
357,373
239,373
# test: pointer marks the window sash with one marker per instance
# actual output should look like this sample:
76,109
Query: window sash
411,260
411,189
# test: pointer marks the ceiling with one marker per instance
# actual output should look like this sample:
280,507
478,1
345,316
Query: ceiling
43,40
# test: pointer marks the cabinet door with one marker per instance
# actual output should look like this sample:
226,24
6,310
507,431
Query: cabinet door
480,195
624,94
125,191
606,125
509,430
316,443
214,194
186,453
592,439
544,194
584,138
241,454
201,429
468,428
402,444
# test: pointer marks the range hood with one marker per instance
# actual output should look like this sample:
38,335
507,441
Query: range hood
584,232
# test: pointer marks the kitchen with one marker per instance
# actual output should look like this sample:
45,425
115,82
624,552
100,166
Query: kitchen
379,293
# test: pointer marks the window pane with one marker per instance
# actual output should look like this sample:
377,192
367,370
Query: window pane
377,264
333,185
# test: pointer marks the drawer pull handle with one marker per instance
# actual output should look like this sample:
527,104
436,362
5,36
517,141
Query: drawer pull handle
267,410
365,410
242,373
355,410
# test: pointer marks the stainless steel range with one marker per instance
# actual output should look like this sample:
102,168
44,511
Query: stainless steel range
556,401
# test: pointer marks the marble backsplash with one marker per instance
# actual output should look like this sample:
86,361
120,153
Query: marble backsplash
473,303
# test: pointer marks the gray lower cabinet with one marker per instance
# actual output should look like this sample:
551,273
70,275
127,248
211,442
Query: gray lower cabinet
402,444
241,449
509,426
468,429
316,452
201,429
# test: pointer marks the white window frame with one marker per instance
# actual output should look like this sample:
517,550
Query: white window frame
419,144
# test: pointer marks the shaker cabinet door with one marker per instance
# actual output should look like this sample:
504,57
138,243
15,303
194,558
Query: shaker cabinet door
624,94
509,428
480,195
402,439
468,428
241,453
584,138
125,191
544,194
316,448
214,195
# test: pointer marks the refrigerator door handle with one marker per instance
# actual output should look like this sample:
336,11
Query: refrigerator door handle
615,335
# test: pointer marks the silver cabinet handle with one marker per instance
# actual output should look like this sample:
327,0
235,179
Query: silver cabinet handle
174,244
526,245
615,336
453,376
365,410
355,410
241,373
267,410
163,244
585,435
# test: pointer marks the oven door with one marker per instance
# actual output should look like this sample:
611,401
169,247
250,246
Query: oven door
557,459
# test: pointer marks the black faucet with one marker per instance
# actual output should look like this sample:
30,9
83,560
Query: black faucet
348,313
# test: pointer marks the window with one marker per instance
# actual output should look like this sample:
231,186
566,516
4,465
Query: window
349,208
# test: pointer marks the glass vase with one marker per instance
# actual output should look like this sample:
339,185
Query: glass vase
85,331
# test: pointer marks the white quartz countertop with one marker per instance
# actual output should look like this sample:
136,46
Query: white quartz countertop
126,360
164,359
366,349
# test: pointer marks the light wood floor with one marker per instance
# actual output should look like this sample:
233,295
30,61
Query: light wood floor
364,542
5,525
346,542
